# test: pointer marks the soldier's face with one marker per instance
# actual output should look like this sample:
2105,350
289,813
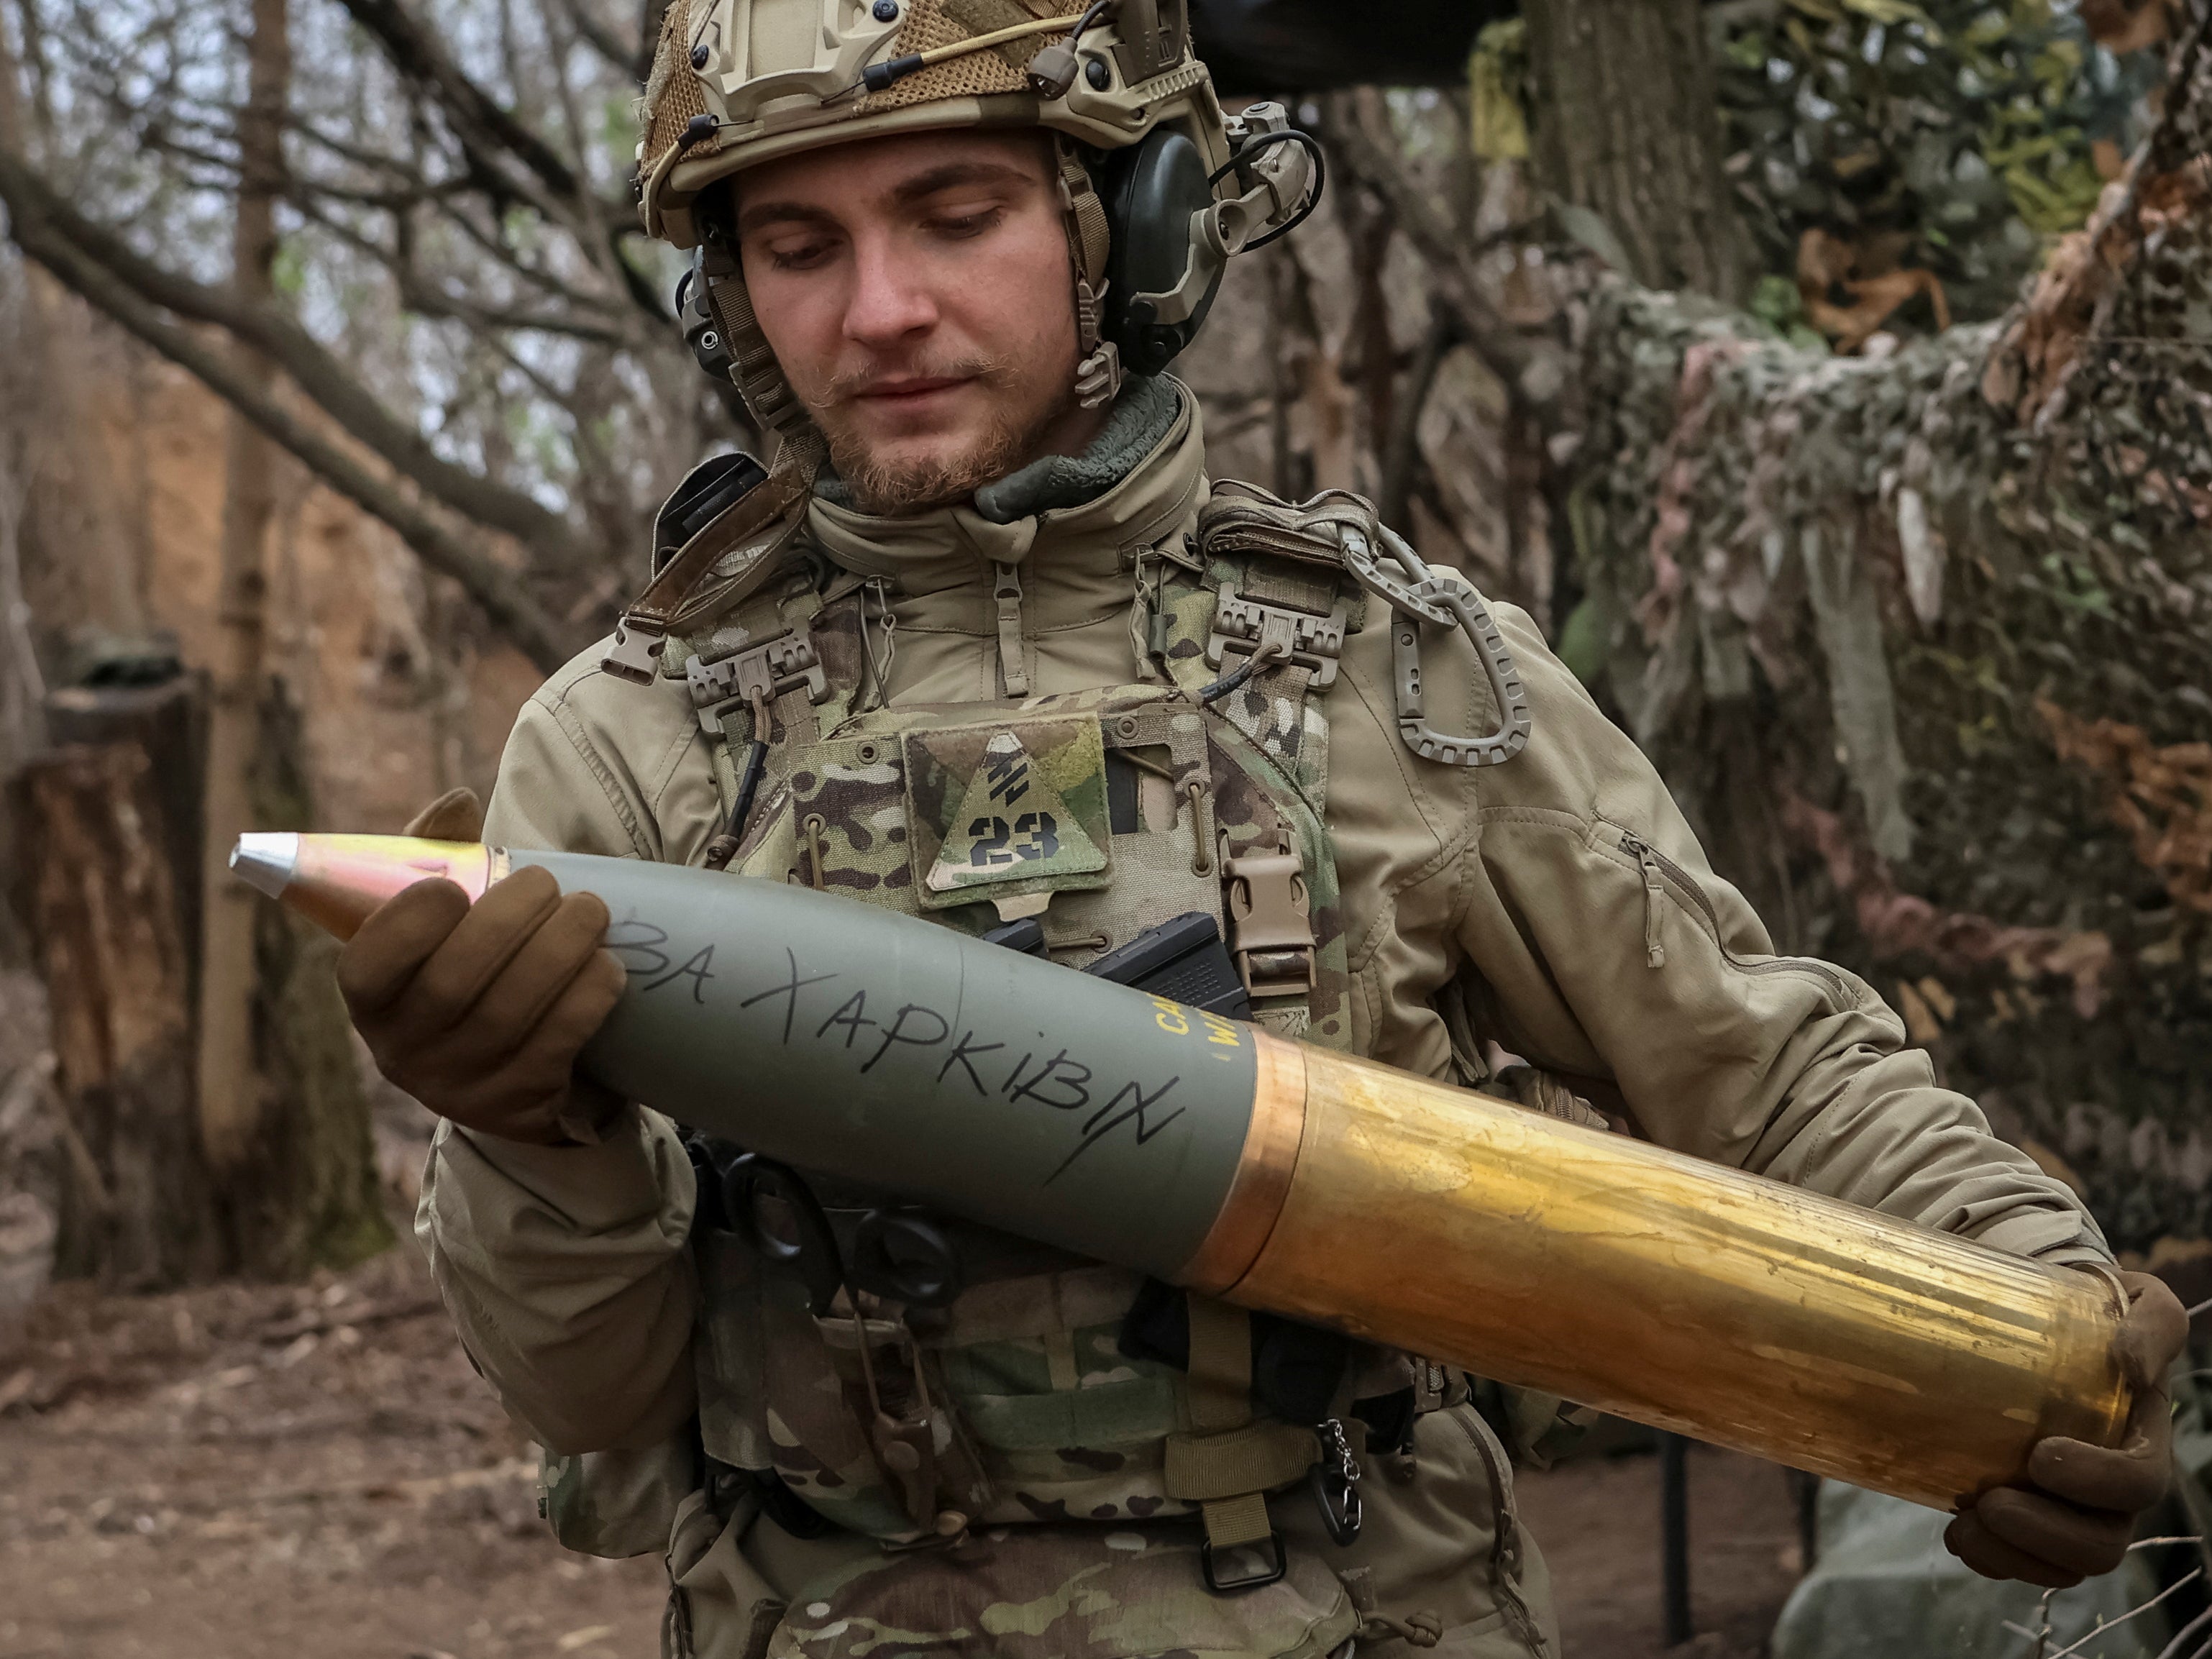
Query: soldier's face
917,292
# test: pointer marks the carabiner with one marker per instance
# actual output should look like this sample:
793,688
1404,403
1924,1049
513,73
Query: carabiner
1420,595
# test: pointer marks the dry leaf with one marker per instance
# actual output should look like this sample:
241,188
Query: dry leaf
1939,997
1920,1022
2161,796
2125,25
1872,289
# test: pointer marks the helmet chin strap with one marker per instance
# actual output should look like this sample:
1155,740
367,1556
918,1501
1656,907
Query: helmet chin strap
724,335
1098,363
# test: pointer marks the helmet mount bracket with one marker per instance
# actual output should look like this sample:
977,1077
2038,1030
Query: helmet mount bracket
1172,236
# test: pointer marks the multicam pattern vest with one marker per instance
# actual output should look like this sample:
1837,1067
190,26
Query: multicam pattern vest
1100,814
1053,1394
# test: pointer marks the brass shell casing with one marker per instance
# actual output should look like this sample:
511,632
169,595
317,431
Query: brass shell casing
1663,1288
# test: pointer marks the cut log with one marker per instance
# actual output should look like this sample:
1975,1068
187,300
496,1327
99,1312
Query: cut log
101,895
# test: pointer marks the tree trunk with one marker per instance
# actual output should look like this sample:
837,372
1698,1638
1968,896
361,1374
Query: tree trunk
229,1088
283,1116
99,880
1627,127
143,1207
307,1194
22,691
1921,644
65,486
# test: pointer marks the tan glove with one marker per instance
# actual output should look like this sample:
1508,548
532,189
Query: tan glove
2075,1520
479,1011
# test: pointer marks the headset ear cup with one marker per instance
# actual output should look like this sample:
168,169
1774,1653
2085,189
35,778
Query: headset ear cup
1150,190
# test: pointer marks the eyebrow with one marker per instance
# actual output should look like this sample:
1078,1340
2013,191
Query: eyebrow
906,193
953,174
762,214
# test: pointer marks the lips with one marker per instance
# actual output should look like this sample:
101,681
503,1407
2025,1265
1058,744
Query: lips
908,393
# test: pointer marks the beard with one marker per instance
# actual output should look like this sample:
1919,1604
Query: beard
888,487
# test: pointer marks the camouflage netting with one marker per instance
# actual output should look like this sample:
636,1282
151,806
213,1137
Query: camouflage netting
1874,139
1924,643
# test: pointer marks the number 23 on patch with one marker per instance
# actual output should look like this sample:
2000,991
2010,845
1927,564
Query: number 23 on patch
1034,835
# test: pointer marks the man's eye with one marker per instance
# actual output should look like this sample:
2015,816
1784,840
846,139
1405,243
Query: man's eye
798,256
966,222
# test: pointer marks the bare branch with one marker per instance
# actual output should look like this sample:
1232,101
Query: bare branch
480,123
485,130
35,210
418,294
598,36
501,593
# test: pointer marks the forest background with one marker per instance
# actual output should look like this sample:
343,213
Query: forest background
1830,378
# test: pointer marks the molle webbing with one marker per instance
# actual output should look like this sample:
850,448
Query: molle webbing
800,656
1274,730
1227,1464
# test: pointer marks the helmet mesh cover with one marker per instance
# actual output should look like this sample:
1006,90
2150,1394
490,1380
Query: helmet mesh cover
673,98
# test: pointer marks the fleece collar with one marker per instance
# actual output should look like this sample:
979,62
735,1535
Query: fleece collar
1073,559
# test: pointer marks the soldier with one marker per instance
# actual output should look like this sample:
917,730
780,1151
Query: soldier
986,646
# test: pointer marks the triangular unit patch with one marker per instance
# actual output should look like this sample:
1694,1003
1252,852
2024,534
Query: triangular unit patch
1013,824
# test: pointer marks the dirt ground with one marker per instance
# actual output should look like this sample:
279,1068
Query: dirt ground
1597,1523
256,1472
244,1472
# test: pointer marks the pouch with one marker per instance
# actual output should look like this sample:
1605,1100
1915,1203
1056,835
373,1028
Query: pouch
1065,1593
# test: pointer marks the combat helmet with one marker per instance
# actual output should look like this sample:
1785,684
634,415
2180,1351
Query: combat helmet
1158,186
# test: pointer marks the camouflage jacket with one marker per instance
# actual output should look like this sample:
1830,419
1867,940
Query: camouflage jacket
1555,907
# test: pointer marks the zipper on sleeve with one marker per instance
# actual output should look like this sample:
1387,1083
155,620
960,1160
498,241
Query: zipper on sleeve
1655,950
1656,865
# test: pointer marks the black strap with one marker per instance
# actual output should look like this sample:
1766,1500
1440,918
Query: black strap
1296,1369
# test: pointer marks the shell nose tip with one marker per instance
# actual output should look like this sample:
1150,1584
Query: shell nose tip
266,859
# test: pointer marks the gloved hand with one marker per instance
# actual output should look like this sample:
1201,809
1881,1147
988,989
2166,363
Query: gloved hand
479,1011
2076,1519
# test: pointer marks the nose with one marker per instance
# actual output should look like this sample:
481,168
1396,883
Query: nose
889,306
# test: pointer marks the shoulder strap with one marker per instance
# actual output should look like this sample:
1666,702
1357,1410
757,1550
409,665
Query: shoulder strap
1276,601
1278,863
1255,633
728,558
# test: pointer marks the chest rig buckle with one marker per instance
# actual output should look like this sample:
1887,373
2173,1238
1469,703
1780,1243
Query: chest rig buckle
1270,920
756,675
1249,628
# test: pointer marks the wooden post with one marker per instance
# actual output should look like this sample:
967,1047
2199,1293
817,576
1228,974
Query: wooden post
1674,1539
